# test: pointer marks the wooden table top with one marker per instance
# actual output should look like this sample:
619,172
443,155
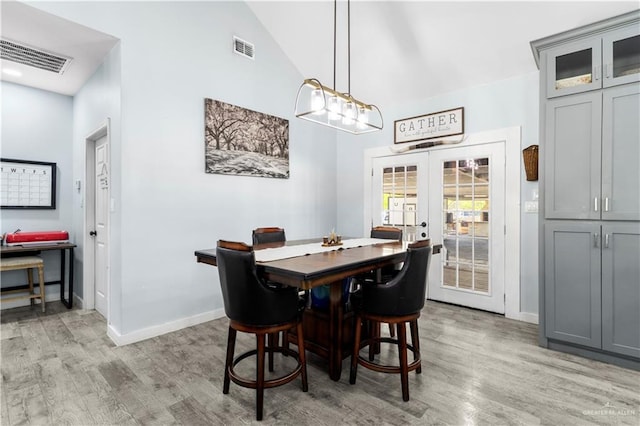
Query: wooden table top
313,270
35,247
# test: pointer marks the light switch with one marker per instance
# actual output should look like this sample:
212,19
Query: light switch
531,207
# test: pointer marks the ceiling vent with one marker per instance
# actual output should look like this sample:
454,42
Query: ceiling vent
33,56
243,48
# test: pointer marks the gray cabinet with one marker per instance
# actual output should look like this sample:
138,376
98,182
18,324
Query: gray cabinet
590,190
572,282
603,60
592,284
620,197
572,157
621,288
590,139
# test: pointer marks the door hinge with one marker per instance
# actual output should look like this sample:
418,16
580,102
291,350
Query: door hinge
371,172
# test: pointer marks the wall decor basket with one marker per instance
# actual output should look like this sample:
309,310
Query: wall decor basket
530,155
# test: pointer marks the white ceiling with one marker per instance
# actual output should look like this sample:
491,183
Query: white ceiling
400,51
35,28
403,51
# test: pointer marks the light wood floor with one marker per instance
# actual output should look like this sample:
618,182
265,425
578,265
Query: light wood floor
478,369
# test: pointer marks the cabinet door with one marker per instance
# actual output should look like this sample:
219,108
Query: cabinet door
574,67
621,56
621,153
572,282
572,157
621,288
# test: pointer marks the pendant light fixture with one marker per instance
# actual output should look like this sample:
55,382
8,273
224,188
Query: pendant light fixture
329,107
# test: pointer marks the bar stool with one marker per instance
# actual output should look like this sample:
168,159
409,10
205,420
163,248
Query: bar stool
28,263
256,308
396,302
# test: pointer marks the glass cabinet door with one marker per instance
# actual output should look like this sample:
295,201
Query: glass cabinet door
621,57
574,68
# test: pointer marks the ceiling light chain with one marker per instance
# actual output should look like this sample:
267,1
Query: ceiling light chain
329,107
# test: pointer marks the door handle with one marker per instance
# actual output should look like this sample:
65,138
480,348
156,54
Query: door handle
606,240
596,239
423,224
93,233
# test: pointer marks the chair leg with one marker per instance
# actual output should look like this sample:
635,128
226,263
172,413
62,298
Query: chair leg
392,331
303,357
285,341
415,341
272,342
231,344
30,280
260,376
41,281
374,332
356,350
402,352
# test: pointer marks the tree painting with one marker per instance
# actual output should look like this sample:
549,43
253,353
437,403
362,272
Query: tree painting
239,141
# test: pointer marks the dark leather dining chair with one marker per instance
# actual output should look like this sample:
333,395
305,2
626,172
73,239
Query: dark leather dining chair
386,232
254,307
385,273
268,235
396,302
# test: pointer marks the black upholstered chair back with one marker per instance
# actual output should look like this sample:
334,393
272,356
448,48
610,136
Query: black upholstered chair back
268,235
247,298
405,293
387,232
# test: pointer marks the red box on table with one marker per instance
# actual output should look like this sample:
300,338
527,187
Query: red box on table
38,237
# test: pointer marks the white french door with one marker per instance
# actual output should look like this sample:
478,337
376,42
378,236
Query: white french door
467,214
399,194
455,197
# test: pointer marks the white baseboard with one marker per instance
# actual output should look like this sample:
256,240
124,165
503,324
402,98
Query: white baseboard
158,330
527,317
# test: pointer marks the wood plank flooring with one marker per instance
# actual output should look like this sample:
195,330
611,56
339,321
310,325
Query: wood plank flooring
60,368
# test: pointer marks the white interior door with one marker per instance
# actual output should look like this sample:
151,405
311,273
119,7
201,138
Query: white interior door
101,236
467,213
399,194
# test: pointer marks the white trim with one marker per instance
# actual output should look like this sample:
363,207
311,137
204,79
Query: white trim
512,138
158,330
527,317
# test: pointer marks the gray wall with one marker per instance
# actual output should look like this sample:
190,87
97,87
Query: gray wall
501,104
172,56
37,126
152,87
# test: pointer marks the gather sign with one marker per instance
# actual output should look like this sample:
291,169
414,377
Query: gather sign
430,126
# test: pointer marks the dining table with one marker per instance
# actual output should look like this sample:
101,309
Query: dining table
328,332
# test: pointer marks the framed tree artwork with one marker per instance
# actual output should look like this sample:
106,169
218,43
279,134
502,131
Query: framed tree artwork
239,141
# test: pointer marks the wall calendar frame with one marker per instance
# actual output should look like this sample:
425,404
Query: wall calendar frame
27,184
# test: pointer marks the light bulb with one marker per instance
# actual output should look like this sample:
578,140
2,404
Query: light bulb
363,118
334,108
317,101
348,113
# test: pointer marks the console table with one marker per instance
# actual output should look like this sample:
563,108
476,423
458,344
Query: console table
34,249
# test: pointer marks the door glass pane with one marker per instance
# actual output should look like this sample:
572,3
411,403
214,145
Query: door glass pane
400,198
626,56
573,69
466,213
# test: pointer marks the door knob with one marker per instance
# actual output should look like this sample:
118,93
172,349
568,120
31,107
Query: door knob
93,233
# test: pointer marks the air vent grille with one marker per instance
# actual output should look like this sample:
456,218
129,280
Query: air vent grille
33,57
243,48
